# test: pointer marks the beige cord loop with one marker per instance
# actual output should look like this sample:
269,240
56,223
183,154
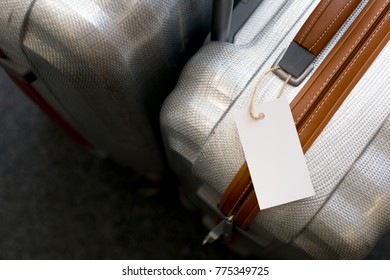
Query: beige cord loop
261,116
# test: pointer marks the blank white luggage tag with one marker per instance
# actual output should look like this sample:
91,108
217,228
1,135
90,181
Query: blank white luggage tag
274,155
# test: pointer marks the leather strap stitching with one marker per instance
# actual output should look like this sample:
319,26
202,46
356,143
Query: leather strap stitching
242,207
241,196
228,192
252,214
342,77
339,64
314,21
330,25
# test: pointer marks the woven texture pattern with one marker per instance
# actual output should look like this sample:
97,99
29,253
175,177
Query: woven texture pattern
365,195
220,80
107,64
12,17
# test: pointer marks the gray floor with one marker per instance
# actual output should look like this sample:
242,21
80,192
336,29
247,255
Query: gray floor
58,201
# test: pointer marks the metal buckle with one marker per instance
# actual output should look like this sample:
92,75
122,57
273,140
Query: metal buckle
284,75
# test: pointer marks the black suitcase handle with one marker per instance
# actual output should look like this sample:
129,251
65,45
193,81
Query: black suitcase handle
226,21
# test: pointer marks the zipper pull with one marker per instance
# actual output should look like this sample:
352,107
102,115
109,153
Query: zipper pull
225,228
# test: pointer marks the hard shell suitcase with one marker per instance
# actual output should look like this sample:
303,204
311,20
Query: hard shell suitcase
348,163
102,68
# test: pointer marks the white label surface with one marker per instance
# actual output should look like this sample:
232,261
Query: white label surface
274,154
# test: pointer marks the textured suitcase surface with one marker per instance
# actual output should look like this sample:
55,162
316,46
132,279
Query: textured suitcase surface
349,162
105,66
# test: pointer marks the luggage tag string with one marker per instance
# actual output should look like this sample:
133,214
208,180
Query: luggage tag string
261,116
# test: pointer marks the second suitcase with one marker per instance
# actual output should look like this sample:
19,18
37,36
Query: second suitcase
102,66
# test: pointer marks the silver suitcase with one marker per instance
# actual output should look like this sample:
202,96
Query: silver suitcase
104,66
349,163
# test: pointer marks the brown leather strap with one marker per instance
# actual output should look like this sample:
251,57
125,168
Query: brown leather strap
313,36
232,196
340,72
323,23
328,87
247,211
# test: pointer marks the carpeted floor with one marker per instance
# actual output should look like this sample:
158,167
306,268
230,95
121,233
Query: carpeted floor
58,201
